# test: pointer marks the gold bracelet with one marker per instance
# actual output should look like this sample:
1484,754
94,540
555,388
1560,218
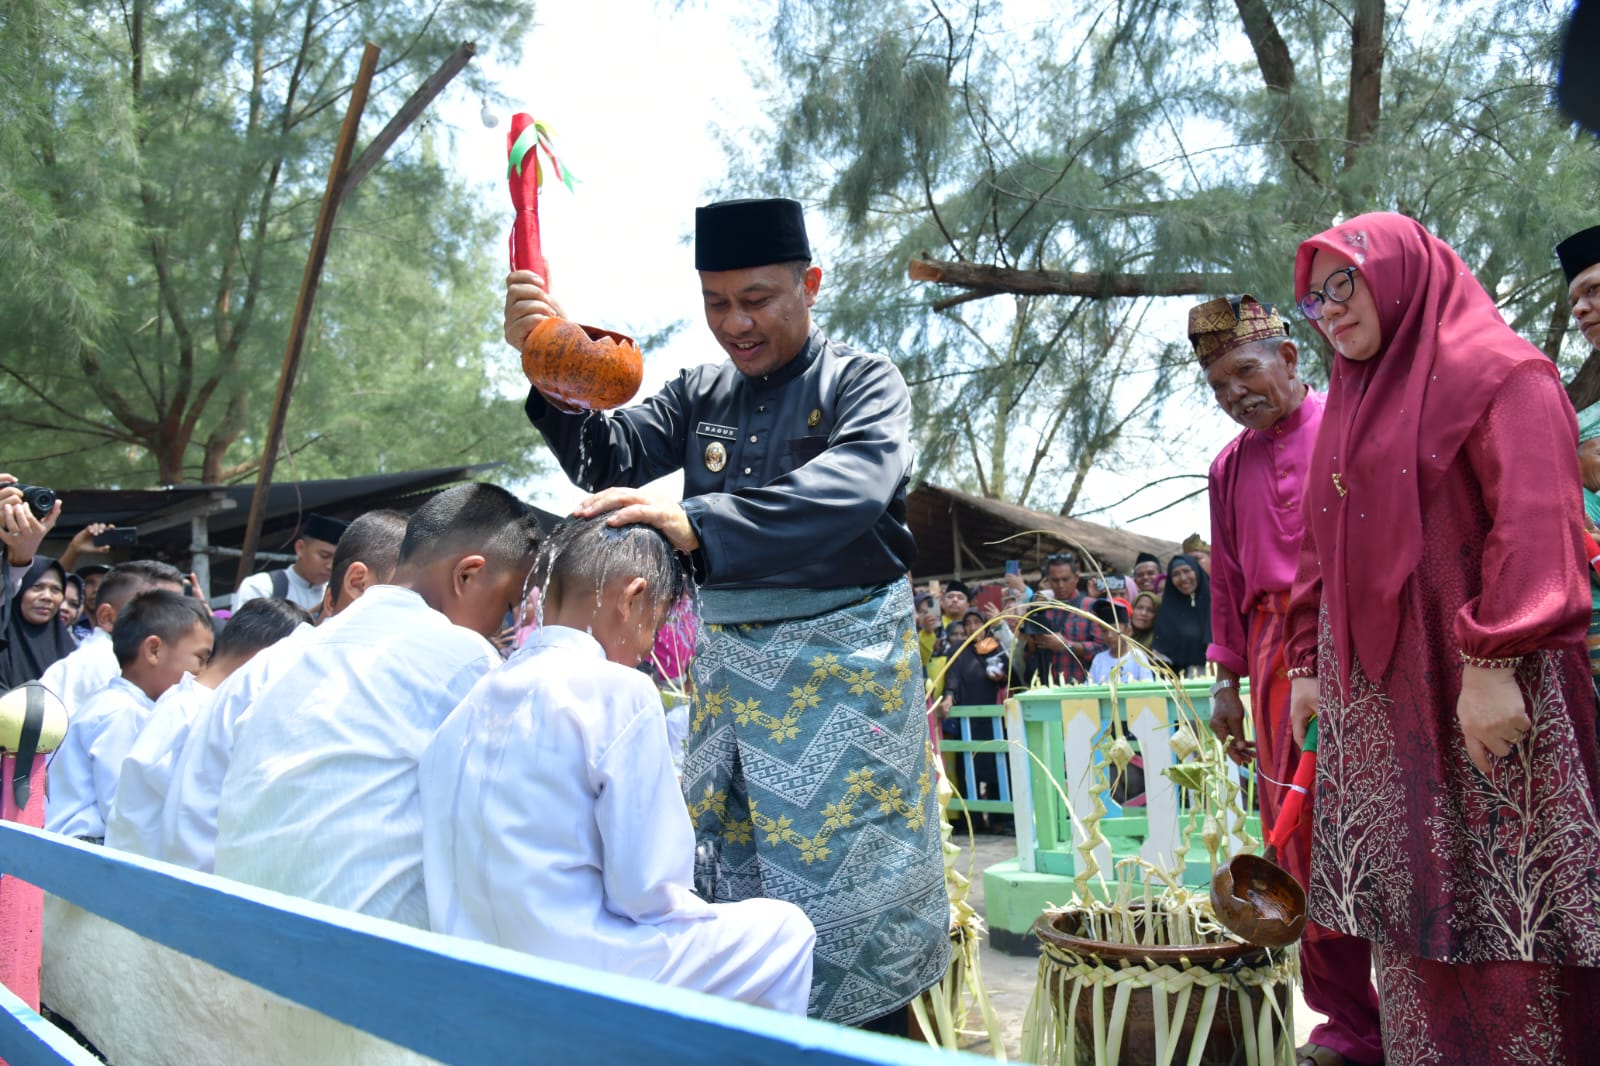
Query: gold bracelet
1491,664
1299,672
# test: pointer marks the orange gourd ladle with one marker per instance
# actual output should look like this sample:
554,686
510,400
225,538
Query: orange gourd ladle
575,367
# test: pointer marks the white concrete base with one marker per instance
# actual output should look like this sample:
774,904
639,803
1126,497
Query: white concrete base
143,1004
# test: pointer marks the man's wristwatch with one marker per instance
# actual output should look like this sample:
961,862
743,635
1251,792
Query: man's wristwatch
1221,684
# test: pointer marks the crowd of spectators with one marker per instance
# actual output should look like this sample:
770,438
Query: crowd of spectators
980,641
1072,623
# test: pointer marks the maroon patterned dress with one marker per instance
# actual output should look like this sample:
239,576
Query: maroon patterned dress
1481,895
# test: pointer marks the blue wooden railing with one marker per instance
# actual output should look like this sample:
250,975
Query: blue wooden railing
971,753
453,1000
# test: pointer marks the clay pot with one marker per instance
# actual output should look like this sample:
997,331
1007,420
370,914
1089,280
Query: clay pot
582,368
1259,901
1064,949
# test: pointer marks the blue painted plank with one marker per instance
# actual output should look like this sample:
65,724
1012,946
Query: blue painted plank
454,1000
26,1039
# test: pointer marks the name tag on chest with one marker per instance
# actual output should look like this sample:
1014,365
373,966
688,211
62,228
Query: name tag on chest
711,429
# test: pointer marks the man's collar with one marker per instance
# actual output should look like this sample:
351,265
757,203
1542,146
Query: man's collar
794,367
296,575
1294,419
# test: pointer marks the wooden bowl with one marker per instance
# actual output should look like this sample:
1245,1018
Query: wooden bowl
1259,901
582,368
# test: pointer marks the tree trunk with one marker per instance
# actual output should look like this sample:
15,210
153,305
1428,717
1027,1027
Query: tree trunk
1366,78
1584,388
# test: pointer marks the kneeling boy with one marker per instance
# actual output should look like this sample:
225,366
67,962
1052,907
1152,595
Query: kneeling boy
552,818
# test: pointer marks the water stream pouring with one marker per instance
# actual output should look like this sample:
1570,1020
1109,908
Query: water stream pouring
1252,895
575,367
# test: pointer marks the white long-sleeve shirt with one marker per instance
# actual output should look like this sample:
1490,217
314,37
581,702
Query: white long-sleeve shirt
84,673
188,824
553,823
320,797
301,592
81,780
134,820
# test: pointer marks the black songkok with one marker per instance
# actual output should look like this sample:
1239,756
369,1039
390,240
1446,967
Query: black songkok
1579,252
322,527
736,234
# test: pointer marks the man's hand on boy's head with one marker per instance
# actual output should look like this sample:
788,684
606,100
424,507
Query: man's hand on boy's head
632,507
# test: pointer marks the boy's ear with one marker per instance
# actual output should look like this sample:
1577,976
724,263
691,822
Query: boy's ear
356,579
468,568
105,616
635,597
150,650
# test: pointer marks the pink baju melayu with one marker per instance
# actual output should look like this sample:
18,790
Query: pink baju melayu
1256,485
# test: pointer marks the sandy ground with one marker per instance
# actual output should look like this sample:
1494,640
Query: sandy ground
1009,979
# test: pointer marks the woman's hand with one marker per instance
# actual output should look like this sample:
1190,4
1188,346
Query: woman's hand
1304,692
1493,714
21,531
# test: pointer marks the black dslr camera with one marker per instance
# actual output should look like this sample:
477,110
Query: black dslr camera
40,500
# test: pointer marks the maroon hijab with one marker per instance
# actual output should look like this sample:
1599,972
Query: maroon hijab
1394,423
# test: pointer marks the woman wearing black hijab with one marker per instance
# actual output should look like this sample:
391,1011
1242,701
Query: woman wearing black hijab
35,636
1183,628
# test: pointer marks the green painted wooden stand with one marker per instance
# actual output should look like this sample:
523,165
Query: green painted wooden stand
1058,726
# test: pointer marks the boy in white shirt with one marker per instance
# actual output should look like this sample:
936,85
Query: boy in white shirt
366,557
320,798
92,665
134,821
553,822
159,637
1121,656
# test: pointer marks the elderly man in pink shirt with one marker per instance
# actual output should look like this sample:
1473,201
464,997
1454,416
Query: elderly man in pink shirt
1256,484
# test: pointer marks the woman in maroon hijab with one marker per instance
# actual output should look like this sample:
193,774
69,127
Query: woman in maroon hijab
1438,625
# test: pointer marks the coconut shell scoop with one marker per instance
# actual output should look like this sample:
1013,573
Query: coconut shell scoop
1252,895
575,367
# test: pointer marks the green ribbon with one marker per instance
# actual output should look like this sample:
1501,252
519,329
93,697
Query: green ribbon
526,141
533,137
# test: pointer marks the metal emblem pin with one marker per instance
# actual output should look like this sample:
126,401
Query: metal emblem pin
716,456
814,419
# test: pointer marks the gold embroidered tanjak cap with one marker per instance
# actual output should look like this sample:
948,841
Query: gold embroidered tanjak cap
1218,326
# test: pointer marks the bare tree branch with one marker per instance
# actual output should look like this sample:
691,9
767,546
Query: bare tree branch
992,280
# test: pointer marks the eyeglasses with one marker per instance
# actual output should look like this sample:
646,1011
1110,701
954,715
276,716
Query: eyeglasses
1060,557
1337,288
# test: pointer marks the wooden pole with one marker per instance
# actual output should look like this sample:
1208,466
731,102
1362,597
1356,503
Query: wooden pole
320,239
409,112
342,181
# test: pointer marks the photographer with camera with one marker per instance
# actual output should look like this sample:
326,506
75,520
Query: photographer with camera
32,636
27,515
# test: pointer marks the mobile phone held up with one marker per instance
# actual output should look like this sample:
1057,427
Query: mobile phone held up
117,536
1014,566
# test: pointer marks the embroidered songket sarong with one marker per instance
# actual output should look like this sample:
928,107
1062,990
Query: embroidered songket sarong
809,779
